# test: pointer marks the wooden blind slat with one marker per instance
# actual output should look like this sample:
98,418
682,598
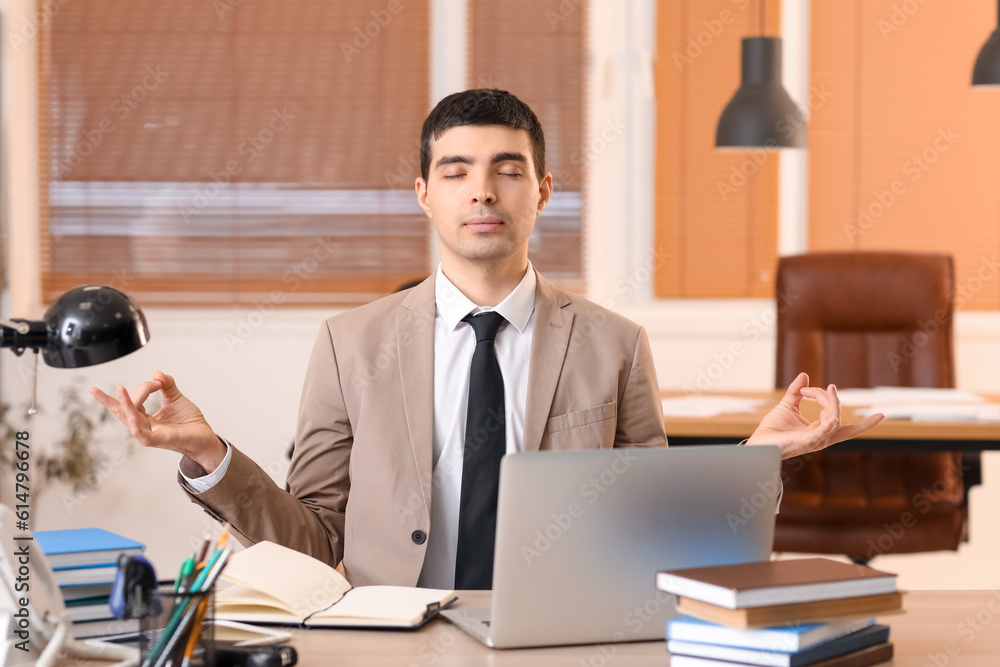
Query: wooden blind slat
716,211
215,108
904,152
537,49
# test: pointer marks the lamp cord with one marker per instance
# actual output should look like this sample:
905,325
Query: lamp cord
34,388
763,6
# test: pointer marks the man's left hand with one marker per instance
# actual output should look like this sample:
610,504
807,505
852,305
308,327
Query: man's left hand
786,427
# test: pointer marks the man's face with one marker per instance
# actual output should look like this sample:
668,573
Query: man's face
482,193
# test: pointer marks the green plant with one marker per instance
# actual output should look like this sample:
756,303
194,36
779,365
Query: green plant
76,456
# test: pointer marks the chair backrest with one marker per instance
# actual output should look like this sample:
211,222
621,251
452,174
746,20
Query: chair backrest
864,319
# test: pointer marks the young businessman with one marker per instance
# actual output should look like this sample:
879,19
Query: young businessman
395,463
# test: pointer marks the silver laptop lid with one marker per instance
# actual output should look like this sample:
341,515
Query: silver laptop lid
580,535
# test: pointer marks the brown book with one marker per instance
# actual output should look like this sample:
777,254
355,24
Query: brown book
799,612
765,583
873,655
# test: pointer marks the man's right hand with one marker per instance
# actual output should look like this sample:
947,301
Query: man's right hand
178,425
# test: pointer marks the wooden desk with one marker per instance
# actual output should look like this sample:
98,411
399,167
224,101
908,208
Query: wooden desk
936,623
891,434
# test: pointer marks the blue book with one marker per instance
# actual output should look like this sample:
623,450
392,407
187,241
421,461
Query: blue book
870,636
83,547
86,575
787,638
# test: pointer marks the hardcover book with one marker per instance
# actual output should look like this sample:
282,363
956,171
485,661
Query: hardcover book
767,583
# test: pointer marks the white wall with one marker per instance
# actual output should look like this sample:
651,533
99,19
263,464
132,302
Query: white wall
249,392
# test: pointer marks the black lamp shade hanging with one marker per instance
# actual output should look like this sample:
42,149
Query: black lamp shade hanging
761,114
986,71
87,325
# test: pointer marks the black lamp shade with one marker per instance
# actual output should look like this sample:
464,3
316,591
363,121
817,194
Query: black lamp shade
92,324
761,114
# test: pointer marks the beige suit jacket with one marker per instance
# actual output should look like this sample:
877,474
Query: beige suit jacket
359,485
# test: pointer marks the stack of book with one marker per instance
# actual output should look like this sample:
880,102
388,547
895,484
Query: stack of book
788,613
84,562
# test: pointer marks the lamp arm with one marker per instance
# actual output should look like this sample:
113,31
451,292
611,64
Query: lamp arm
21,327
23,334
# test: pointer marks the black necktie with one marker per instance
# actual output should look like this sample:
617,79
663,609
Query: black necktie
484,447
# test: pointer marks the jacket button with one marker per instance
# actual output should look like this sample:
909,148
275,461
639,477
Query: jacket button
418,537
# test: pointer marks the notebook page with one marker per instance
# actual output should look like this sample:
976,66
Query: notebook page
302,583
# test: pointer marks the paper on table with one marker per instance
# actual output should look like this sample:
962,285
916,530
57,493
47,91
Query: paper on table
904,395
955,412
700,405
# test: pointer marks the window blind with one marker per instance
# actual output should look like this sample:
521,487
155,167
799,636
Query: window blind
224,151
537,49
716,210
904,154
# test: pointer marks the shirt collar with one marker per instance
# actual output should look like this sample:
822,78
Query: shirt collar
516,308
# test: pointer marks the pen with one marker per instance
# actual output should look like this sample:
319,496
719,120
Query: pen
181,620
181,609
204,547
187,567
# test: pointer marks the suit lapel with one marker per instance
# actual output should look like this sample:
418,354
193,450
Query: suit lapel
549,344
415,354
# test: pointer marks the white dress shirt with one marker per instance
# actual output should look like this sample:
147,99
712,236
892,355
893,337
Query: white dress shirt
454,345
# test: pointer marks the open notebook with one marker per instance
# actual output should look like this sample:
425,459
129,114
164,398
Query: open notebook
274,584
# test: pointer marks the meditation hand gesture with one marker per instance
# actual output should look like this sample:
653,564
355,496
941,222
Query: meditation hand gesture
178,425
785,426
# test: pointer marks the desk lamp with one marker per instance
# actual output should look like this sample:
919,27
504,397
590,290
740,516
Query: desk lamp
87,325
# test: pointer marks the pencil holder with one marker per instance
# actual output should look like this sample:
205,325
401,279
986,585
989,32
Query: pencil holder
181,634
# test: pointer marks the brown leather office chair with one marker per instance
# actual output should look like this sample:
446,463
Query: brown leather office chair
864,319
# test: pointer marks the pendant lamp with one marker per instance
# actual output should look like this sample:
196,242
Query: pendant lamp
761,113
987,69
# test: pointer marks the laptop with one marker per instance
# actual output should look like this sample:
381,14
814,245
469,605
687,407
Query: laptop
581,535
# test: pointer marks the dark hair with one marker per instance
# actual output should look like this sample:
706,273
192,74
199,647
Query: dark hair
482,106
